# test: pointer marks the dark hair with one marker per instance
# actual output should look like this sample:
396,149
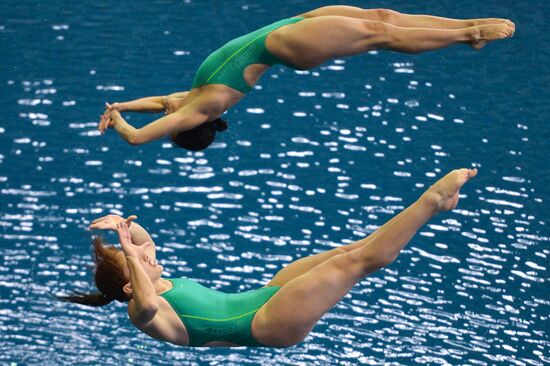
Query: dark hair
110,277
200,137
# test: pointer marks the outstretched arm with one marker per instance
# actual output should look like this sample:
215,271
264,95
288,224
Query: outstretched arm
156,104
183,119
146,105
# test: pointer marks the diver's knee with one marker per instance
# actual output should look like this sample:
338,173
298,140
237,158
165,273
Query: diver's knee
368,262
386,15
376,34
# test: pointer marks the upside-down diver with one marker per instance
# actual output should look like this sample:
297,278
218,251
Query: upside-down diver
301,42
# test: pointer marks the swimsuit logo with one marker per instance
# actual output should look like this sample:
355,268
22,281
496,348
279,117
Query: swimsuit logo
224,331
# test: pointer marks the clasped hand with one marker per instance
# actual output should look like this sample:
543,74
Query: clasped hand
120,225
110,222
109,117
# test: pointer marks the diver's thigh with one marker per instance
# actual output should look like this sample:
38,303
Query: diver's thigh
291,313
313,41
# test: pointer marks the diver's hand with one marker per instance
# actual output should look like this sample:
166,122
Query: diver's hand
125,238
110,222
105,121
110,116
115,116
116,105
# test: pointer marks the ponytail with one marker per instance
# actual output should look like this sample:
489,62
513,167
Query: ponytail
96,299
111,274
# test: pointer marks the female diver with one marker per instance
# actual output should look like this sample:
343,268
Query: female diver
301,42
282,313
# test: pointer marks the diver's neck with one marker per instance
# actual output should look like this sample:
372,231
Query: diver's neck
162,285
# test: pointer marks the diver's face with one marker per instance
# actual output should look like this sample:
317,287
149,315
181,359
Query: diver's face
148,262
151,267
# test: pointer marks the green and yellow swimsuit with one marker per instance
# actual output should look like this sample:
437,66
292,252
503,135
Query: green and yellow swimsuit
226,65
210,315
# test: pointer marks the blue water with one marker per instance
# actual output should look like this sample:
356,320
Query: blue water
311,160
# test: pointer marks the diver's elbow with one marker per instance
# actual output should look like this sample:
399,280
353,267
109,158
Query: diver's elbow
135,139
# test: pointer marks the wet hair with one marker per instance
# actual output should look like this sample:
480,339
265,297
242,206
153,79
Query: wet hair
110,277
200,137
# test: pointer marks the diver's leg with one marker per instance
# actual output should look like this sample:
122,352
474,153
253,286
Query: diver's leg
294,310
401,19
302,265
313,41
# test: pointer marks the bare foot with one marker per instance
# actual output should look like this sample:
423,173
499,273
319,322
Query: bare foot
485,21
443,195
482,34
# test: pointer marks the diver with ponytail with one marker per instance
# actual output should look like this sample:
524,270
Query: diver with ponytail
279,314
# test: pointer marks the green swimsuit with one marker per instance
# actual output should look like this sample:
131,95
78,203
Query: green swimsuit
226,65
210,315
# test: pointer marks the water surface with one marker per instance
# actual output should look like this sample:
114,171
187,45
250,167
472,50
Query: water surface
311,160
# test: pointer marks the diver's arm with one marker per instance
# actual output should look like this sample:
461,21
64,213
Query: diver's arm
140,236
143,292
144,295
183,119
147,105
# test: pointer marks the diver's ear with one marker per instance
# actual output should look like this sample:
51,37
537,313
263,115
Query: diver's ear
127,288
